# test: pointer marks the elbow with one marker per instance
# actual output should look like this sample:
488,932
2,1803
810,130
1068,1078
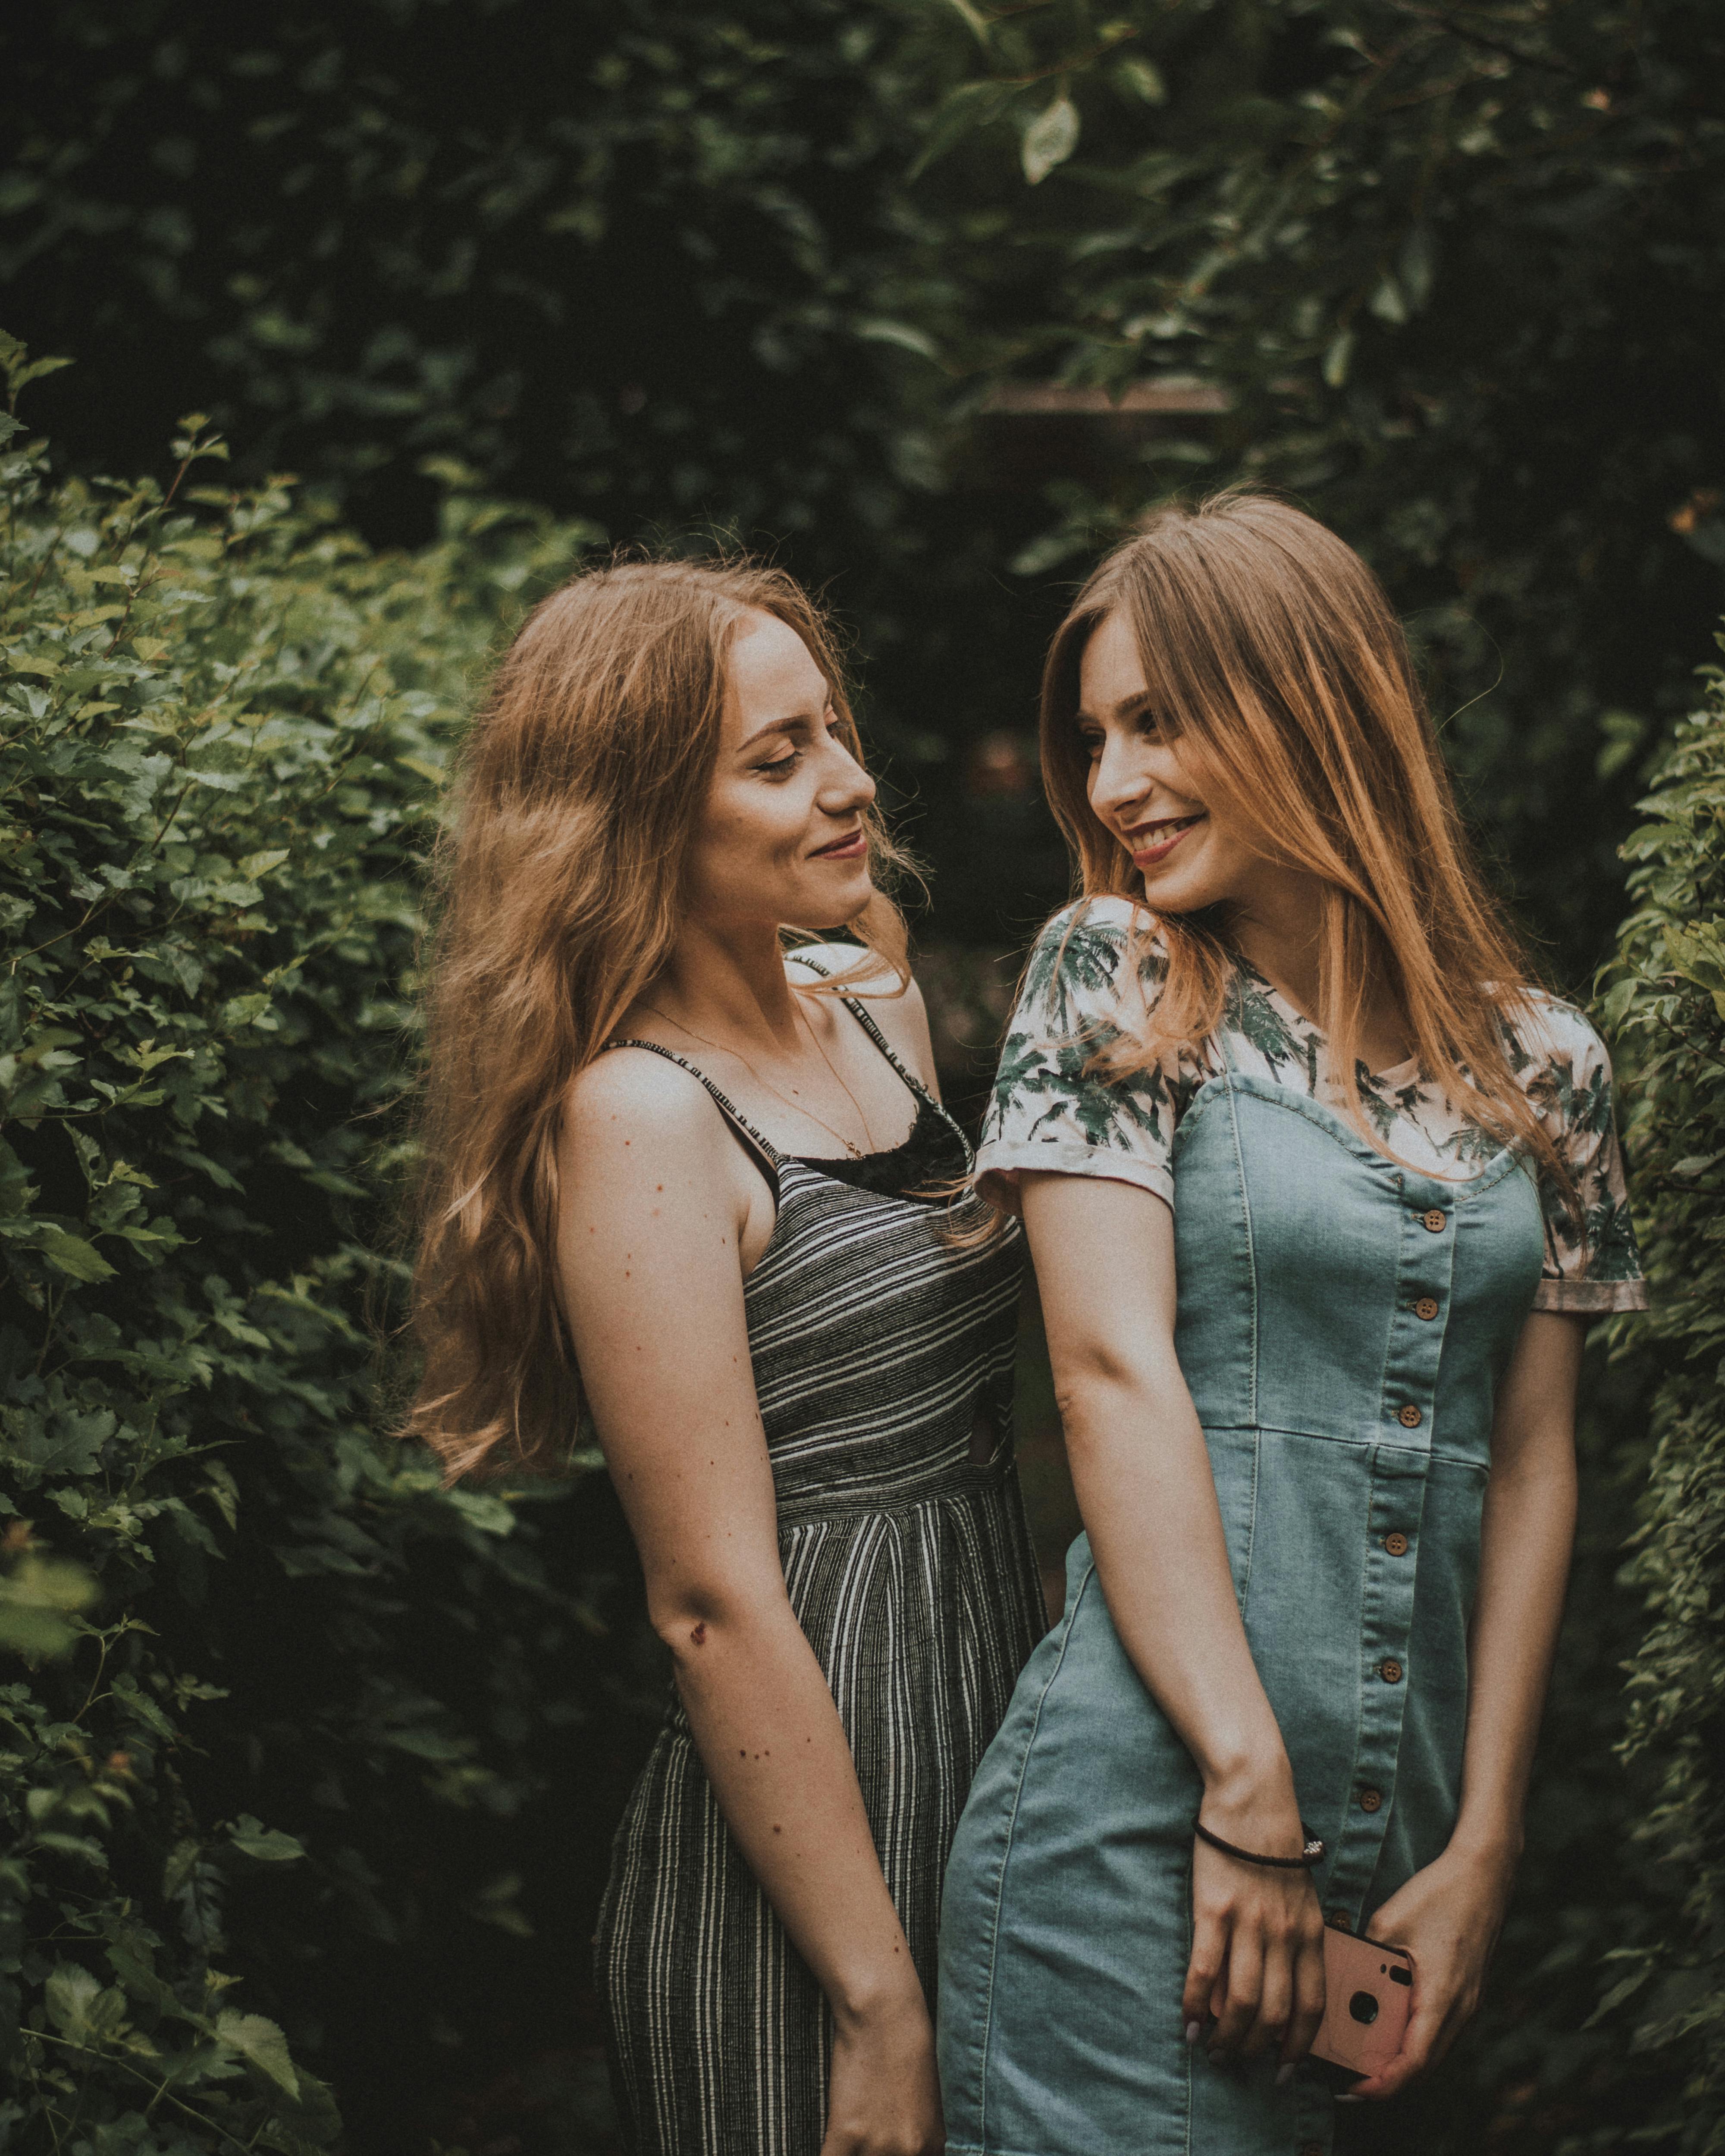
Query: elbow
1102,1378
695,1618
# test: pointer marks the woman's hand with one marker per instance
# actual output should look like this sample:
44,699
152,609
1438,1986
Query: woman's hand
1257,1960
1447,1918
884,2096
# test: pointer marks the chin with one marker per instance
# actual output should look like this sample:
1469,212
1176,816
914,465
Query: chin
1176,894
819,919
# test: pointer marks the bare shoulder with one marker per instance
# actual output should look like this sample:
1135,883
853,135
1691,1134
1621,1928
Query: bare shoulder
897,1009
638,1113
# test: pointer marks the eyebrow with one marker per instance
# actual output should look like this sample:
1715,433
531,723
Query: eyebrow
784,726
1127,707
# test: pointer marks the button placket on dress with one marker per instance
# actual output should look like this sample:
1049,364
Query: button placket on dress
1399,1469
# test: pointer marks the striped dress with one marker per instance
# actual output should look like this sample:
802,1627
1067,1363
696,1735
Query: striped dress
877,1346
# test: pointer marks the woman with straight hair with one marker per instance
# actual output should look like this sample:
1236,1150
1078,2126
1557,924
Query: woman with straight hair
1322,1194
677,1176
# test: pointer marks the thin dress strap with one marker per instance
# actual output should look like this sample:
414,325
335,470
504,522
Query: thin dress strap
919,1091
858,1012
767,1157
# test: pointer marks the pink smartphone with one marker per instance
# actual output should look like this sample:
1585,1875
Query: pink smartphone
1369,1989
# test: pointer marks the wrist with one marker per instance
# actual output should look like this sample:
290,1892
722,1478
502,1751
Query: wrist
1491,1847
1251,1801
876,1993
1246,1779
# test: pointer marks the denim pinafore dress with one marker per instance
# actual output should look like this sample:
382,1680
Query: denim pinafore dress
1343,1323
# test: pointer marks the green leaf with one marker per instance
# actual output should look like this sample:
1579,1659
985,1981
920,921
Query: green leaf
497,1903
269,1844
181,1862
71,1253
1143,79
905,335
971,107
1050,139
972,22
253,866
243,1011
261,2044
491,1515
38,1597
85,2013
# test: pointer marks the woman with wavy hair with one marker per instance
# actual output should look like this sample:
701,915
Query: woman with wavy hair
679,1175
1322,1194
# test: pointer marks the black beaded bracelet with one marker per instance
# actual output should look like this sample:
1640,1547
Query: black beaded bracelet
1311,1854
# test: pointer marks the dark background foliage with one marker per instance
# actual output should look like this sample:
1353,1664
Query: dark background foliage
312,1694
878,288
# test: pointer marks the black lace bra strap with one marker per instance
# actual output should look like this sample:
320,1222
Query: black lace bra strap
860,1014
766,1156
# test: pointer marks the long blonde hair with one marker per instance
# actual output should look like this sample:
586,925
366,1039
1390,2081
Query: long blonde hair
579,791
1273,652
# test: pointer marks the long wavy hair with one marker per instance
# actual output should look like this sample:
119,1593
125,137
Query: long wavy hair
1273,652
561,886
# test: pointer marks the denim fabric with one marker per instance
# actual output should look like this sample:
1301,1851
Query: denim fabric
1305,1258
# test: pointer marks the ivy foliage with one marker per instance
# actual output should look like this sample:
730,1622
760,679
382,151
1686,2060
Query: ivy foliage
263,1653
1666,999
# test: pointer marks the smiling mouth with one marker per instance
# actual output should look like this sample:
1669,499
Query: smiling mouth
1154,841
853,841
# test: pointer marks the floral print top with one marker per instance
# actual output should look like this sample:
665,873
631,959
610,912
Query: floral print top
1079,994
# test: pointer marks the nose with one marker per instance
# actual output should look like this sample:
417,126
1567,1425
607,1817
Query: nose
845,786
1117,778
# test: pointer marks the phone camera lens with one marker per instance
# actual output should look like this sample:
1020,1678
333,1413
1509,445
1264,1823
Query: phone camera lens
1363,2007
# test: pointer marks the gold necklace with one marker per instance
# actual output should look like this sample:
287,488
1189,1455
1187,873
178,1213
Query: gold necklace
833,1067
796,1107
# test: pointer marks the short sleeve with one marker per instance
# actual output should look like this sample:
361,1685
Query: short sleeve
1592,1265
1089,981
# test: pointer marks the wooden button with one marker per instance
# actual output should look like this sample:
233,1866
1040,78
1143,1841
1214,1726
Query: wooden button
1338,1920
1426,1307
1433,1220
1370,1799
1409,1416
1396,1544
1390,1670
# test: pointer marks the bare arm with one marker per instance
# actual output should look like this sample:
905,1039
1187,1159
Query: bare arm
651,1214
1449,1914
1528,1534
1142,1477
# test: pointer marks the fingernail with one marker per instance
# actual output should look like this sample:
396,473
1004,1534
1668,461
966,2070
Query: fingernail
1194,2030
1285,2073
1350,2099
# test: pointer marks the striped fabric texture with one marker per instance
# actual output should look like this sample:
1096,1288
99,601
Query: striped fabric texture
877,1343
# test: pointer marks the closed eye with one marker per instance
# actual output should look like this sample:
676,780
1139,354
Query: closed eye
790,751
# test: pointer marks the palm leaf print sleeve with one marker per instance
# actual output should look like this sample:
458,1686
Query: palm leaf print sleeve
1089,980
1593,1266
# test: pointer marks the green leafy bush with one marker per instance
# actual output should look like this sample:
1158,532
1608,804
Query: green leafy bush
277,1686
1667,999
